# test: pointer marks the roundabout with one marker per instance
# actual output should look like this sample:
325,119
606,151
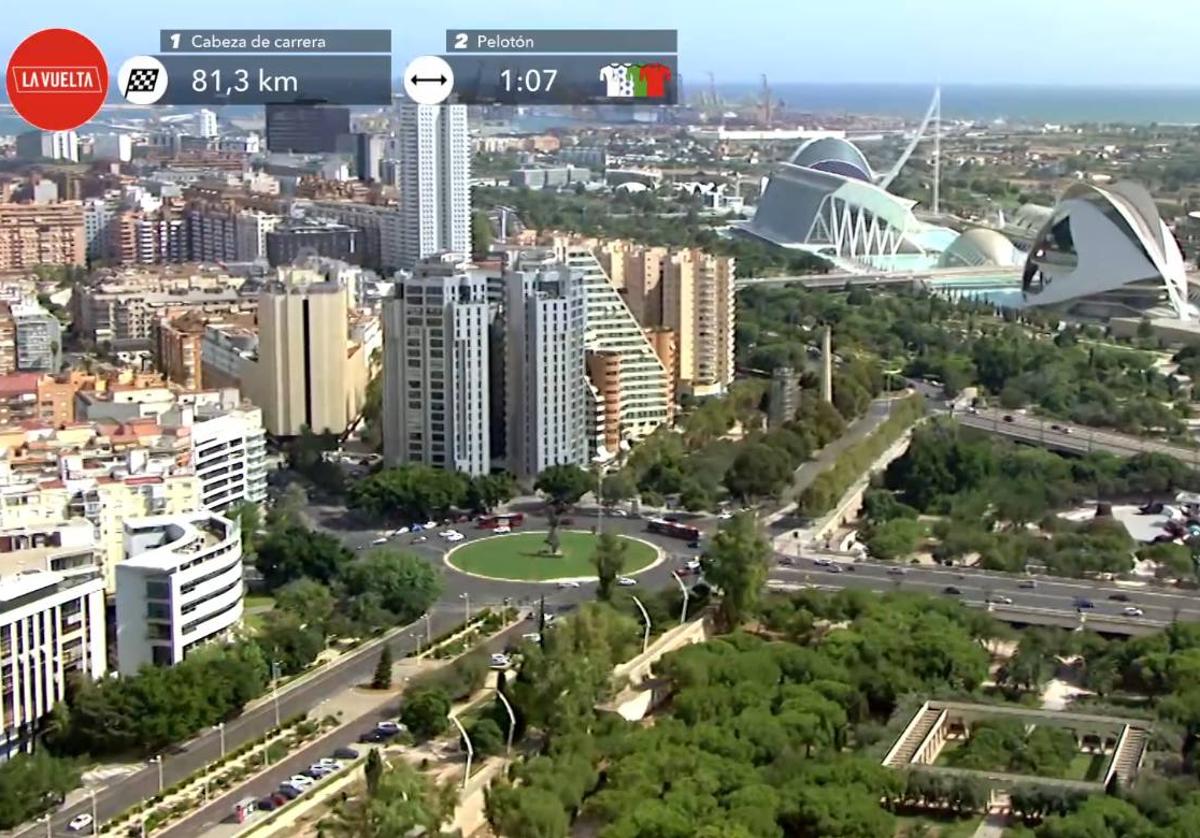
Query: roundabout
523,557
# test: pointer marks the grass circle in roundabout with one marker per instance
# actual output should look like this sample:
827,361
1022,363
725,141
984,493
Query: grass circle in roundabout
523,556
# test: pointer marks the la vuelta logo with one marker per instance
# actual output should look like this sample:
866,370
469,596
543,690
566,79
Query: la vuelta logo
57,79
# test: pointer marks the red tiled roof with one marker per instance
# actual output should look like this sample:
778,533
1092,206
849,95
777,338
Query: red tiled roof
19,382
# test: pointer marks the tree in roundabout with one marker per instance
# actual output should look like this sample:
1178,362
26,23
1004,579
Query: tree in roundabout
562,486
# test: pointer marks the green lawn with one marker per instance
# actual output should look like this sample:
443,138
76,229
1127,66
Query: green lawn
259,602
522,556
1089,767
937,827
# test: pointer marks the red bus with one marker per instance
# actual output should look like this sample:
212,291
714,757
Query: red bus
673,529
507,519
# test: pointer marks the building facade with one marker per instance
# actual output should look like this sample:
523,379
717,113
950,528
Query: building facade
38,338
41,234
291,240
306,129
546,399
435,153
436,384
180,585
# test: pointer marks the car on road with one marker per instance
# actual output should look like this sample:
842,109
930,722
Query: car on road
1000,599
822,562
725,515
344,753
499,660
373,735
1027,584
693,565
1119,597
502,528
1008,417
381,540
618,513
626,581
399,531
453,539
391,728
1083,602
532,636
833,568
420,539
569,583
415,528
896,571
951,590
1068,430
1133,611
79,823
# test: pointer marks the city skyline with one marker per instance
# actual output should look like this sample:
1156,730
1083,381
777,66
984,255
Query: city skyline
915,42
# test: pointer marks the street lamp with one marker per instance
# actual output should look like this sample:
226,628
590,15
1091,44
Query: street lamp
470,749
684,590
95,816
221,731
428,630
275,689
416,635
646,617
157,760
512,721
466,598
49,825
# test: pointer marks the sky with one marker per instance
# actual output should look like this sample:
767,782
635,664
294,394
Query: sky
1039,42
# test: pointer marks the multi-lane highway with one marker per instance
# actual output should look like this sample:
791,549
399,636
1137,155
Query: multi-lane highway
1066,436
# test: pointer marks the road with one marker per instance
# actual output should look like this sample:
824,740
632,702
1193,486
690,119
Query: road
1066,436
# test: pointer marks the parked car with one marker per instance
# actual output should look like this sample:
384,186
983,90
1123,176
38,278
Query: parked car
316,771
626,581
79,823
502,528
1008,417
391,728
1027,584
1119,597
569,583
499,660
896,571
290,791
381,540
1000,599
420,539
345,753
951,590
833,568
1133,611
374,735
532,636
330,763
300,781
267,804
693,565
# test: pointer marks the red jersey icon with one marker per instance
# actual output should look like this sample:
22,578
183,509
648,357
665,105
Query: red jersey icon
656,77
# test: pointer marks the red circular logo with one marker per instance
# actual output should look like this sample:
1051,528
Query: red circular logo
57,79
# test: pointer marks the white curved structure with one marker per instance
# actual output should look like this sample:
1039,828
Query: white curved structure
978,247
180,585
1104,252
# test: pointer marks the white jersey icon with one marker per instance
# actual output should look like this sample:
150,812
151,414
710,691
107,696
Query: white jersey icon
617,80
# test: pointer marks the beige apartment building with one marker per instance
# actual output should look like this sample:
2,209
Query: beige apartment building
41,234
309,373
689,292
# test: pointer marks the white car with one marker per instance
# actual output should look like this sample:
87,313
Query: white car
1134,611
429,525
1000,600
381,540
80,823
390,727
503,528
420,539
568,583
455,537
299,781
400,531
626,581
532,636
693,564
619,513
330,763
499,661
725,516
446,533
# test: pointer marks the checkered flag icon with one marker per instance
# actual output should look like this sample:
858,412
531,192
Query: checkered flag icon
142,80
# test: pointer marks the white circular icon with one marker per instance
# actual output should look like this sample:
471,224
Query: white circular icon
142,80
428,80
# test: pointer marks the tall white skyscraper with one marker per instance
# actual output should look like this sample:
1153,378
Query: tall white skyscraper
435,366
435,192
206,123
545,375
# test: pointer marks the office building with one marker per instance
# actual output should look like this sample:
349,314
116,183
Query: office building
308,373
48,145
229,450
368,154
306,129
628,382
206,123
434,181
180,585
114,148
436,385
32,235
546,398
296,238
251,228
38,338
150,238
381,230
98,216
52,628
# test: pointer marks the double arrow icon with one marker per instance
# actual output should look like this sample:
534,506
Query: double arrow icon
419,80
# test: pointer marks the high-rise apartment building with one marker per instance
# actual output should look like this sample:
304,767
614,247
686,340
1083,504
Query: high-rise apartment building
8,340
52,628
41,234
546,398
50,145
629,383
435,191
206,123
689,292
212,235
180,585
436,385
38,338
98,217
178,348
301,376
368,154
141,238
252,227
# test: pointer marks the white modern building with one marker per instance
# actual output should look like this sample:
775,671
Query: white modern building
1105,252
229,454
546,399
435,367
180,585
98,217
435,190
114,147
51,626
38,337
251,228
206,123
638,400
52,145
